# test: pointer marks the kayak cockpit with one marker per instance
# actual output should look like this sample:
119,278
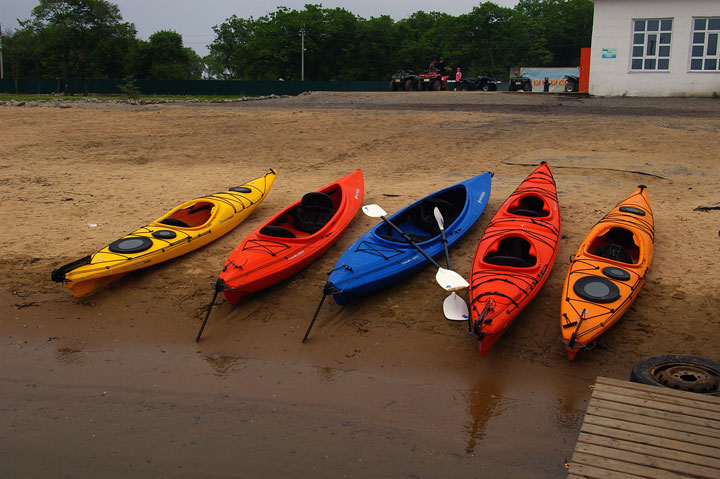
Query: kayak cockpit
617,244
192,216
512,251
306,218
531,205
419,222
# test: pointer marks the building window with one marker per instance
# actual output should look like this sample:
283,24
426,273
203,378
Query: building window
704,54
651,44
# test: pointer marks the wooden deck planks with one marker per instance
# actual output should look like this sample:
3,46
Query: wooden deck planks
634,430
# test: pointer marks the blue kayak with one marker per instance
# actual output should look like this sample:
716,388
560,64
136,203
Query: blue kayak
381,257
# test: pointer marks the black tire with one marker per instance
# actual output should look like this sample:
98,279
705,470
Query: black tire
511,87
437,85
392,85
408,85
569,87
527,87
420,86
485,87
686,373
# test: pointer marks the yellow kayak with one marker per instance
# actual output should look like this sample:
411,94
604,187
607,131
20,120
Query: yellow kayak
183,229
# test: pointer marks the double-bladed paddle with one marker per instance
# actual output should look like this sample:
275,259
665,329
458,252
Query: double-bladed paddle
447,278
454,307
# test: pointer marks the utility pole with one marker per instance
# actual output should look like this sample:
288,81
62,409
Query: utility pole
302,53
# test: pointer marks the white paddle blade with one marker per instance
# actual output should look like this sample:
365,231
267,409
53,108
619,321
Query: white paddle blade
450,280
439,218
374,211
455,308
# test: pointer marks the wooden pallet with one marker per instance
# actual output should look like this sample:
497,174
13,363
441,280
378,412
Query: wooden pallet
633,430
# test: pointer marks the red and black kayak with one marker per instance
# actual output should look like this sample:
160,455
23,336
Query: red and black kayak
292,239
514,256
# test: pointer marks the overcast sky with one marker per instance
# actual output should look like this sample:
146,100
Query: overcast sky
194,19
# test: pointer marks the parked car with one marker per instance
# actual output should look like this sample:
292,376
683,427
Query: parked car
403,80
520,84
480,82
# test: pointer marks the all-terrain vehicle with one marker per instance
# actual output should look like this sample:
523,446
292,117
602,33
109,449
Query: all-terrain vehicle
403,80
571,83
480,82
432,81
520,84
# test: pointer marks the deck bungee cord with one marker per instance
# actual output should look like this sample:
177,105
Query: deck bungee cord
604,310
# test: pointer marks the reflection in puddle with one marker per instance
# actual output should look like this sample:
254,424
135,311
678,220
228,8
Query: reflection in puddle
482,404
221,364
70,356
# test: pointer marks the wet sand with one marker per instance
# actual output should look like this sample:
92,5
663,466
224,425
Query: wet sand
114,385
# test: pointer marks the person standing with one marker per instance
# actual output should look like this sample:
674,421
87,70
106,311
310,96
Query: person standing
458,78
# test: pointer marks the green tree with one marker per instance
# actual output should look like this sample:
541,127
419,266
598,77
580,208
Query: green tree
229,51
563,26
20,53
74,31
163,57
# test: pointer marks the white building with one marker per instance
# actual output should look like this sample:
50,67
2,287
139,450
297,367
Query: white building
655,48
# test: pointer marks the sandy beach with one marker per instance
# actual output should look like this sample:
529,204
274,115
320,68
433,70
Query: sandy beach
114,384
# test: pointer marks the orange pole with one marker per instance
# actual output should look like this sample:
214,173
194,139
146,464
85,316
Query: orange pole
584,70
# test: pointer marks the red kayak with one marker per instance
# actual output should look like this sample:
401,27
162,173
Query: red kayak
292,239
514,256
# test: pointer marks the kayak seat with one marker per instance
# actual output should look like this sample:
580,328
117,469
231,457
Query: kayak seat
424,214
513,252
507,261
531,206
277,231
396,239
614,252
206,206
618,244
314,212
174,222
530,213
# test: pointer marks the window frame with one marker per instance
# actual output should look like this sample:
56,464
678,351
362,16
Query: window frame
654,56
707,33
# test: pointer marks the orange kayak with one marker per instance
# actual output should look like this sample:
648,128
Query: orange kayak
608,272
514,257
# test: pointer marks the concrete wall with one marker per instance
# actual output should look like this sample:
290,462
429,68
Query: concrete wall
612,29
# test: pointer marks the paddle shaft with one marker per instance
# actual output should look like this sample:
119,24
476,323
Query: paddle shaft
314,317
573,338
409,240
219,286
447,253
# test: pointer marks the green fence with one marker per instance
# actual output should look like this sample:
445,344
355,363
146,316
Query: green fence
191,87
